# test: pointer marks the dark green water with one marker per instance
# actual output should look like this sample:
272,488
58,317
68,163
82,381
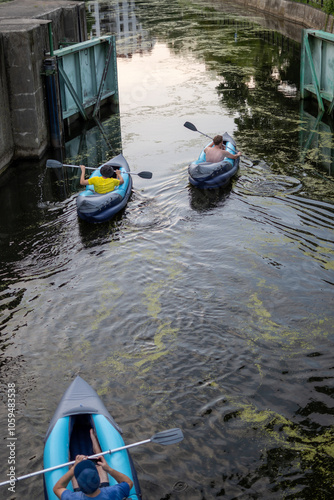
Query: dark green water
208,311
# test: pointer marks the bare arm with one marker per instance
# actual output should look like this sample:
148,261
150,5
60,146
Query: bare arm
230,155
119,176
61,484
83,181
118,476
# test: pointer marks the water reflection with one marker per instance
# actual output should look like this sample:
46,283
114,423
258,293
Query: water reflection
258,89
119,18
316,138
203,200
95,143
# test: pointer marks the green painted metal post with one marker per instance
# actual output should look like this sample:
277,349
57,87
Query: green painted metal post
88,76
302,68
317,68
316,83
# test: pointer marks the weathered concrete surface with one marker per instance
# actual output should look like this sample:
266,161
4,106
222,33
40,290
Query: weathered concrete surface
6,137
295,12
23,50
24,41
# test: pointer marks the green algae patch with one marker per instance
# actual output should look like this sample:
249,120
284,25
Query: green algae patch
284,433
150,358
164,330
152,299
106,303
278,335
329,265
260,311
85,346
161,350
119,361
279,436
104,389
115,363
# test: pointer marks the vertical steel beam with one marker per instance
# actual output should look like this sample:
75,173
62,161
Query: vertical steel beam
302,67
53,101
103,78
314,75
72,92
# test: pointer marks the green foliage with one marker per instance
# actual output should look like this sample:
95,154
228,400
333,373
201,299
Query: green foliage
329,6
316,4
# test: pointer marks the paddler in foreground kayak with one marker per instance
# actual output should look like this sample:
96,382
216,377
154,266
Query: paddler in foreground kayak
106,182
88,482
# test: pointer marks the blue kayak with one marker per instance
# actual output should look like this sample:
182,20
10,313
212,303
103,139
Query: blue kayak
79,410
206,175
95,207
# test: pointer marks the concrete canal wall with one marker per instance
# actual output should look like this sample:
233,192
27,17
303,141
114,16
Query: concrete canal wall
24,41
295,12
6,136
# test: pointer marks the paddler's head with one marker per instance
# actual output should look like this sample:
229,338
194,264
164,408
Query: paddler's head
107,171
217,140
87,476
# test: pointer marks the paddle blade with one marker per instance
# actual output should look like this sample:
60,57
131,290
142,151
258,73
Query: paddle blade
171,436
191,126
145,175
53,164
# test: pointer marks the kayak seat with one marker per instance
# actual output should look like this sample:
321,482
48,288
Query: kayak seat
80,442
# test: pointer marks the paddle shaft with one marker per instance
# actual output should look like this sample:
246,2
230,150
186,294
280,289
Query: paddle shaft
192,127
204,134
170,436
49,469
91,168
58,164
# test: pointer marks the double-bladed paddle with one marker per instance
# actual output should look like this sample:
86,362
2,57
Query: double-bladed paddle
192,127
171,436
58,164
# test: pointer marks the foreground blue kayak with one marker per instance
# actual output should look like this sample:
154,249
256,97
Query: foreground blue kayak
94,207
206,175
79,410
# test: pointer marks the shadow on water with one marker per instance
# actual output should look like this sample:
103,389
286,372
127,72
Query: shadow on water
100,234
203,200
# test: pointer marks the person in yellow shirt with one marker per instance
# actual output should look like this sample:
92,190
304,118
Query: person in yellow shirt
104,184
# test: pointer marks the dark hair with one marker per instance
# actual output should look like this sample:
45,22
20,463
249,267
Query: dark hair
217,140
107,171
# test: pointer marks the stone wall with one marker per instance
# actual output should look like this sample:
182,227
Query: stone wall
299,13
24,51
24,127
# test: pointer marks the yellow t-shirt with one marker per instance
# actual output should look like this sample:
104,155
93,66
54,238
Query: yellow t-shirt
102,185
